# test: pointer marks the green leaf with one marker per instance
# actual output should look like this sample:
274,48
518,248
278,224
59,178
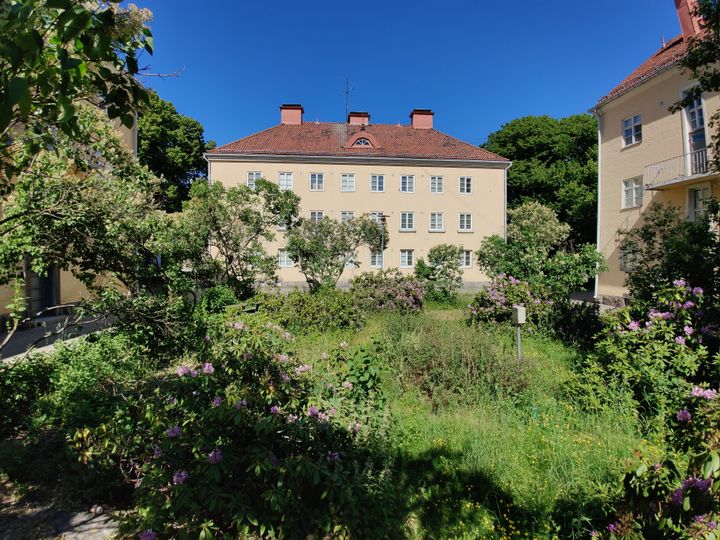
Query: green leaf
17,88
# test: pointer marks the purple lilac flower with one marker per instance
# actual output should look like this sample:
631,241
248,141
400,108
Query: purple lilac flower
683,416
689,304
332,411
206,338
355,427
215,457
180,477
284,377
700,392
347,384
697,291
148,534
302,369
699,519
701,485
208,368
241,404
217,401
288,336
689,330
240,325
657,466
322,417
613,528
712,525
193,373
679,283
274,409
313,411
173,432
677,496
680,340
634,325
292,418
705,330
183,370
332,456
157,452
282,358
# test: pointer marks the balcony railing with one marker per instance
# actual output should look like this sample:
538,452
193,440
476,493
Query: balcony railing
676,169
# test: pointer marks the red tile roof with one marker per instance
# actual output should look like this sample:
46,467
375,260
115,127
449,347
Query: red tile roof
330,139
673,52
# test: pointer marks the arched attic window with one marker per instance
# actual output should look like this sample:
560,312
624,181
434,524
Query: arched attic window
362,142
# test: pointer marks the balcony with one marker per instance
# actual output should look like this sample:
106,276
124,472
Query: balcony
677,170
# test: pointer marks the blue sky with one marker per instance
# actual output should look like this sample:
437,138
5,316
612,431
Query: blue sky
478,64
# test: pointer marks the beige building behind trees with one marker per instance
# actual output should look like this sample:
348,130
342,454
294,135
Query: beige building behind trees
648,154
429,187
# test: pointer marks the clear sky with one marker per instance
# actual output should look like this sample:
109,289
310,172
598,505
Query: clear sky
478,63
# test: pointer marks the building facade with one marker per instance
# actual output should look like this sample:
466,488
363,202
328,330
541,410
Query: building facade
429,187
648,154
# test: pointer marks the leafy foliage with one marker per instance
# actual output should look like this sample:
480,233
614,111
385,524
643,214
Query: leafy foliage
495,303
56,53
555,164
171,145
441,275
322,249
388,290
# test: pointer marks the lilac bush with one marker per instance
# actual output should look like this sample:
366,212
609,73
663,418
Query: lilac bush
388,290
495,303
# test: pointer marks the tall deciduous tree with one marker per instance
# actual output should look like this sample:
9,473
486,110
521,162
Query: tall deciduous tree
703,62
172,146
554,163
55,53
323,249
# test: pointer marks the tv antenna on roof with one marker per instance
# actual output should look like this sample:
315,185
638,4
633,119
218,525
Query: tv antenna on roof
348,89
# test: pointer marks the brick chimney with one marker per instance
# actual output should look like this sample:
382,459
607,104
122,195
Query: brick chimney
421,118
359,119
689,22
291,114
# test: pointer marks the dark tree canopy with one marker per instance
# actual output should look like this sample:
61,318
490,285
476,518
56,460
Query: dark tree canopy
171,145
554,163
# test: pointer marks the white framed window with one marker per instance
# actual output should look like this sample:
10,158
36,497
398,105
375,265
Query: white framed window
317,182
284,260
346,216
316,215
627,261
437,221
633,192
252,177
350,263
282,226
407,258
465,184
347,182
632,130
376,259
437,184
377,183
465,222
698,197
376,216
285,179
407,183
466,259
407,221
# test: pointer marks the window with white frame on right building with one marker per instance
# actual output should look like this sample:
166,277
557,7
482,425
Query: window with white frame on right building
466,259
407,258
437,184
376,259
698,197
465,184
285,180
284,260
407,184
347,182
465,222
407,221
632,130
377,183
317,181
633,192
316,215
437,221
252,177
346,216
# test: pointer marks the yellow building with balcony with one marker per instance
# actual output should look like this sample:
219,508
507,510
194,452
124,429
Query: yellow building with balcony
648,154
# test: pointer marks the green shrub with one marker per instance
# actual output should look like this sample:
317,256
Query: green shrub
302,312
242,441
216,299
388,290
21,384
495,303
573,323
441,275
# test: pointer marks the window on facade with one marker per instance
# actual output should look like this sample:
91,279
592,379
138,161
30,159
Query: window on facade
282,226
377,183
284,260
465,184
362,142
376,216
285,179
252,177
407,184
466,259
316,215
632,130
437,221
465,223
627,261
350,263
407,221
346,216
347,182
696,136
376,259
317,181
437,184
633,192
407,258
698,198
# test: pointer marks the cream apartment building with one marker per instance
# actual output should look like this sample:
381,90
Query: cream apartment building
649,155
429,187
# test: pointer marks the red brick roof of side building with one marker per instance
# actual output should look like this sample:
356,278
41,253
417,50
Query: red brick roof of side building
336,140
673,51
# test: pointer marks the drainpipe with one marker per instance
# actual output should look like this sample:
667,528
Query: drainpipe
597,115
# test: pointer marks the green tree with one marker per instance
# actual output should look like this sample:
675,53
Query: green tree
55,53
223,232
703,62
554,163
323,249
441,275
172,146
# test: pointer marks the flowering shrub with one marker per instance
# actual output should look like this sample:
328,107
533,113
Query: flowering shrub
496,302
441,275
237,442
388,290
